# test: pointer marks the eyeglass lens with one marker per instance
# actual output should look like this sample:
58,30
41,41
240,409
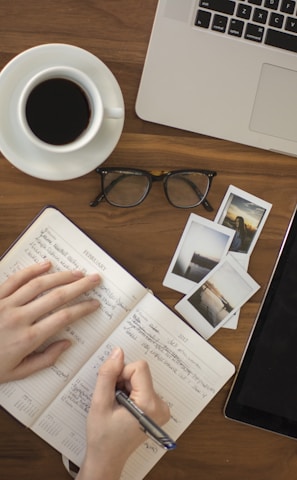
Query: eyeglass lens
183,189
125,189
187,189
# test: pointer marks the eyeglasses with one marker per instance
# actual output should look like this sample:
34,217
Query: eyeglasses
128,187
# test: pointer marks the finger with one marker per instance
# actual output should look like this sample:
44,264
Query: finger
38,361
104,393
22,277
42,284
137,377
139,383
54,323
58,297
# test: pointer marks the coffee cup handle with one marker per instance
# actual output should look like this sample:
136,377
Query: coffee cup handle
115,112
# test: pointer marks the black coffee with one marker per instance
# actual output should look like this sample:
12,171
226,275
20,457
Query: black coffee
57,111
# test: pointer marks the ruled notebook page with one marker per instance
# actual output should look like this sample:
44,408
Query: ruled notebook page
54,237
187,373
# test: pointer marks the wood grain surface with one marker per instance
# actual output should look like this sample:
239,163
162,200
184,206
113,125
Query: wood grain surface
144,238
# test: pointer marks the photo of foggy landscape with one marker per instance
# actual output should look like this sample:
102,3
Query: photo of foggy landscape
199,267
212,305
201,251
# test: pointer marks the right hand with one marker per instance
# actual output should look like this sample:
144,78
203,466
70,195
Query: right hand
112,432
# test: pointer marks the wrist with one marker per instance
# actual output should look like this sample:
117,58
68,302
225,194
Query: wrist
105,473
94,467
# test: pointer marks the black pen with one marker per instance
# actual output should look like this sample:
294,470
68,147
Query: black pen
147,424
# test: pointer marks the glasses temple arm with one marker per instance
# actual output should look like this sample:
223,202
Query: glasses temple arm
205,203
97,200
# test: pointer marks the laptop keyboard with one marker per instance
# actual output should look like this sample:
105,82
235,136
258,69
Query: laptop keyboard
270,22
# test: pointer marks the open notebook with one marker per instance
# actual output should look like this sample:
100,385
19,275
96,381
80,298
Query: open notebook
186,370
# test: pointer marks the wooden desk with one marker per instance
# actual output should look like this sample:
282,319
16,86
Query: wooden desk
144,239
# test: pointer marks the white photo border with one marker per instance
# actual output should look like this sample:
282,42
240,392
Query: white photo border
185,249
193,314
245,205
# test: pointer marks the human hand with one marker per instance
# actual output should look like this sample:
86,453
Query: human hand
33,307
112,432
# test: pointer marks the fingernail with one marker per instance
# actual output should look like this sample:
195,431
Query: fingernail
67,344
94,277
116,352
45,263
95,303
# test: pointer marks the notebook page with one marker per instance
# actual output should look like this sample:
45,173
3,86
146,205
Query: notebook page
187,373
53,236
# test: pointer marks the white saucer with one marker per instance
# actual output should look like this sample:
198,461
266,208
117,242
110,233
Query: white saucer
15,145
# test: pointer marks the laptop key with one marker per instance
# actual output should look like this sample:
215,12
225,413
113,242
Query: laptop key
244,11
286,41
288,6
273,4
260,15
220,6
236,27
254,32
276,20
291,24
202,19
219,23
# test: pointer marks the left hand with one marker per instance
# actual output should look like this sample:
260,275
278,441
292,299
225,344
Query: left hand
33,307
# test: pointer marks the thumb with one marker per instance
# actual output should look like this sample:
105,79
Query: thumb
108,376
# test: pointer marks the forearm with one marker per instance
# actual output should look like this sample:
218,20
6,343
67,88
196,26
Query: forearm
101,469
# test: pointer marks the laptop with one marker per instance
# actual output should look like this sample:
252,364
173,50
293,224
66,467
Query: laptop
224,68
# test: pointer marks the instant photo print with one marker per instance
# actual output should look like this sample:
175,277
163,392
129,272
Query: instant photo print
217,297
246,215
201,247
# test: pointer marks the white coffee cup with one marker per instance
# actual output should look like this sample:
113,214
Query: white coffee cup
60,109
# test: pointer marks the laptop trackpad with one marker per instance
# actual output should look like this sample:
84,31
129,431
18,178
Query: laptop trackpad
275,108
